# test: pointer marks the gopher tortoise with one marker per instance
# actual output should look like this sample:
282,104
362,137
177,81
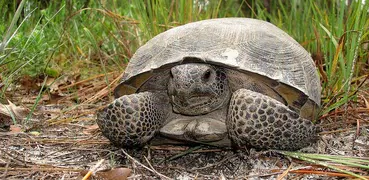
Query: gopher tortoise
225,82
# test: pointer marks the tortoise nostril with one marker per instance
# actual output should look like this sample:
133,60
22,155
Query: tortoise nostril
206,76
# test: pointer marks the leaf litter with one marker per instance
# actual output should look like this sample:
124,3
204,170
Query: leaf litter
62,141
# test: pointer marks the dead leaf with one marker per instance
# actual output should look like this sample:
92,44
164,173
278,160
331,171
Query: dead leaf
54,84
10,112
111,174
90,129
29,83
14,129
366,102
13,111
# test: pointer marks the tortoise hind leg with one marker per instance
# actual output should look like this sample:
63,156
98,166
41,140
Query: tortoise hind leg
265,123
132,120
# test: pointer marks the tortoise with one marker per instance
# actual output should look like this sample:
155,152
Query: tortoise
236,82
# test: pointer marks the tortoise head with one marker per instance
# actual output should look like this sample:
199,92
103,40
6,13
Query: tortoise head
196,88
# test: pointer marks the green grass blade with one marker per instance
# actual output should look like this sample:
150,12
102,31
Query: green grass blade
11,26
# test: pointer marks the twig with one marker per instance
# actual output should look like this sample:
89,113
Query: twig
188,151
40,169
151,165
356,110
339,130
324,173
215,164
284,174
6,171
86,80
136,161
171,148
93,169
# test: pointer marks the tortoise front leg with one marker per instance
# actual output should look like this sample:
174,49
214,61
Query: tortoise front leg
265,123
132,120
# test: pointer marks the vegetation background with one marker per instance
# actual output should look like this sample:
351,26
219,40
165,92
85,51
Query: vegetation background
47,38
45,41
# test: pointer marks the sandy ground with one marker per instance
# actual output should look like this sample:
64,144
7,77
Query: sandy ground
62,141
63,150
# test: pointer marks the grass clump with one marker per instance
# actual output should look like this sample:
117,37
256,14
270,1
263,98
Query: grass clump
101,36
334,32
341,164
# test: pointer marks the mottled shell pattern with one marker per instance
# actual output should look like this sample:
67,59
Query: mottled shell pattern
243,44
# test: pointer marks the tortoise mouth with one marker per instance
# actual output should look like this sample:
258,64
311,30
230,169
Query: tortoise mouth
198,100
194,105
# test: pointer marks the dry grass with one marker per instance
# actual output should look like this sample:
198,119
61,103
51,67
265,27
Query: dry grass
63,142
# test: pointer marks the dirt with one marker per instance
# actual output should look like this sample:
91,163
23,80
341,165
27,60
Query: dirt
62,141
63,150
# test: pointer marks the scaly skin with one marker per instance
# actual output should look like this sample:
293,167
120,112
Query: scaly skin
262,122
132,120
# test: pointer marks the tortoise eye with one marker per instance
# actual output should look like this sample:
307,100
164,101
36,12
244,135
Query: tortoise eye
206,76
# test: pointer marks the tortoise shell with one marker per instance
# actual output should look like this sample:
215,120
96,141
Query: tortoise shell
242,44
